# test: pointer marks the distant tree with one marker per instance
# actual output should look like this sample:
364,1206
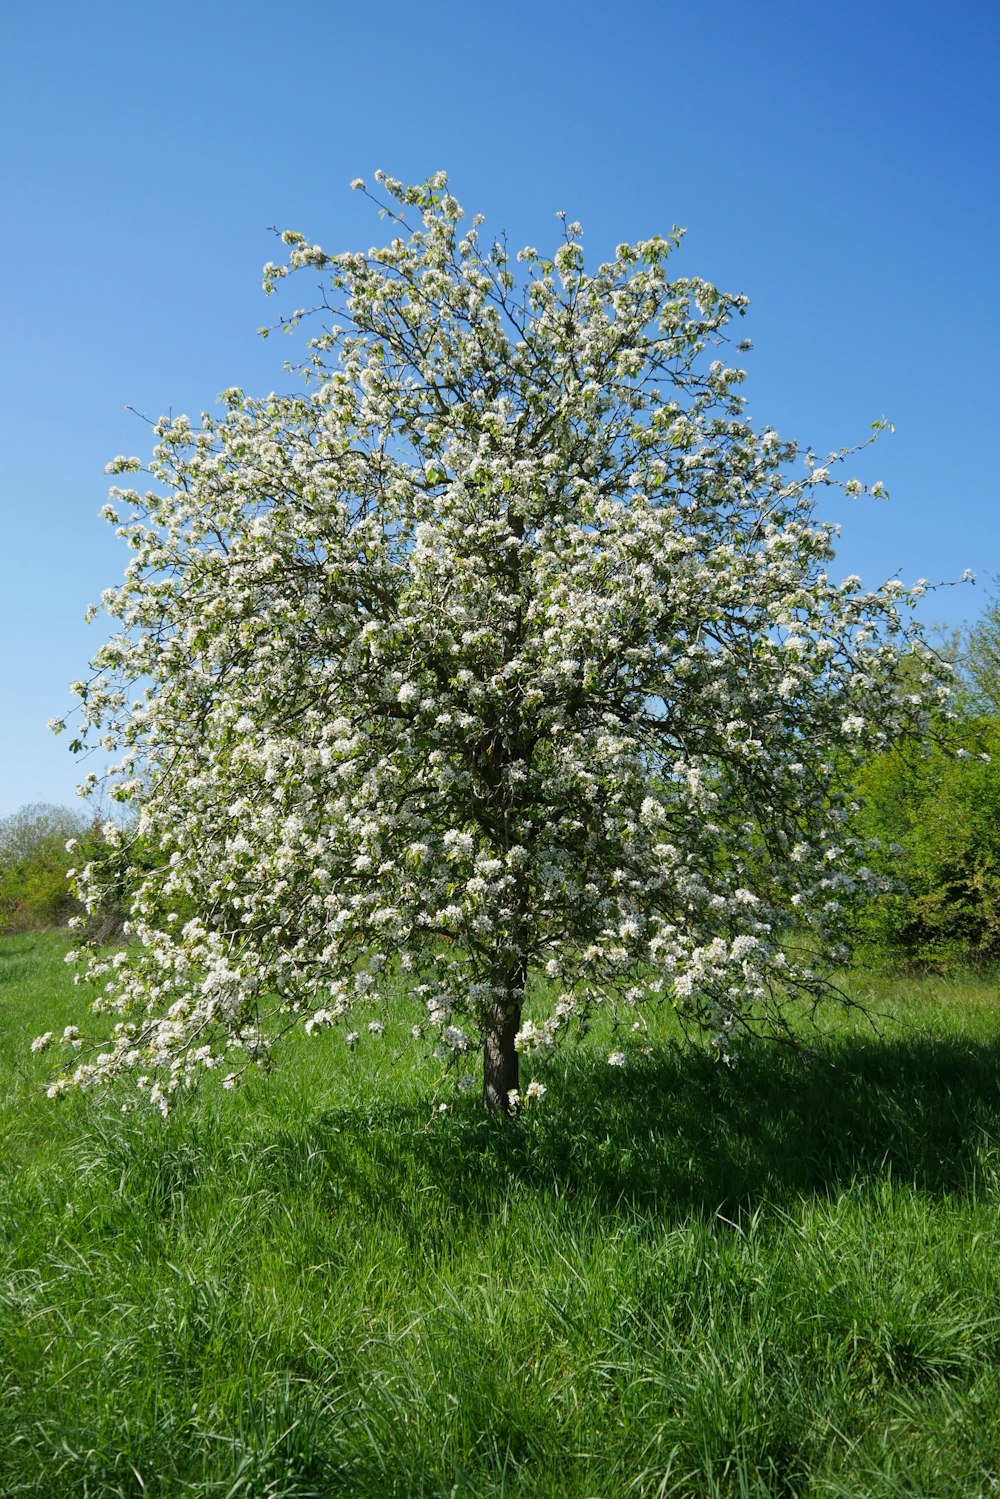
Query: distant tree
982,658
506,651
34,860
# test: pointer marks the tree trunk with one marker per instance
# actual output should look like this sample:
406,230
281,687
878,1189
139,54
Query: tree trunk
500,1058
501,1062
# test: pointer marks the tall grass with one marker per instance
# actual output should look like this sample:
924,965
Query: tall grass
669,1280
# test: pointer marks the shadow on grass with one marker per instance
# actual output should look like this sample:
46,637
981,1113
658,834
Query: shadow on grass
676,1131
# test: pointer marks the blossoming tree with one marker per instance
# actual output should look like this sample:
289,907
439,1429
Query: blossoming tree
501,660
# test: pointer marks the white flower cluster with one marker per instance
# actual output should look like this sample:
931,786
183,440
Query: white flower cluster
508,648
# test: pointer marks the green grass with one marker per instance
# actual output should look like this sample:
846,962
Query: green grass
670,1280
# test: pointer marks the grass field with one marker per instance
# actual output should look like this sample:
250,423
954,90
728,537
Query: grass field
672,1279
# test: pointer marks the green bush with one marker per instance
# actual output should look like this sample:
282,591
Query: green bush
943,811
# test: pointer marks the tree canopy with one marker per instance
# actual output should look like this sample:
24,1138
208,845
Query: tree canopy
503,657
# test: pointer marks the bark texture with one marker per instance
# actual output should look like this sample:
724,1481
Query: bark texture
500,1057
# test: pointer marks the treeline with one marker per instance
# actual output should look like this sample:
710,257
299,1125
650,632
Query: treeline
42,847
34,863
936,819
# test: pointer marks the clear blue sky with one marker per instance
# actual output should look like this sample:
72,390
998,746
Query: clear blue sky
838,163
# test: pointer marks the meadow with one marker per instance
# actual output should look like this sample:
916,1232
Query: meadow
670,1279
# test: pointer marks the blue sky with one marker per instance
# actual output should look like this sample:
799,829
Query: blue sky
837,163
